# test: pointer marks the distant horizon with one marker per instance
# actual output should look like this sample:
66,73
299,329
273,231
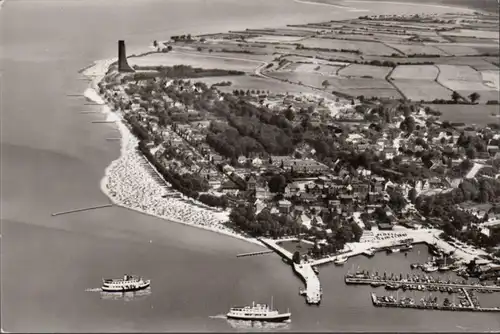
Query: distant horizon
491,6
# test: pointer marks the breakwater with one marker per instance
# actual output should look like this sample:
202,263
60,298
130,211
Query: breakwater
305,271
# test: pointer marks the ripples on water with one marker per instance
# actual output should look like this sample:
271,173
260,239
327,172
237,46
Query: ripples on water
125,296
243,325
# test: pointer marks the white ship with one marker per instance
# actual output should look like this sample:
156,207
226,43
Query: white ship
257,312
125,284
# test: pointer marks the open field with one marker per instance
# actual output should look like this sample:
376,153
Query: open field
383,93
491,79
283,32
314,61
458,50
484,95
418,90
246,82
468,114
355,70
306,78
472,33
275,39
315,68
243,56
411,49
195,60
462,73
368,48
477,62
415,72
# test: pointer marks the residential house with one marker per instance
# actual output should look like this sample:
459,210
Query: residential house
304,220
251,183
284,206
262,193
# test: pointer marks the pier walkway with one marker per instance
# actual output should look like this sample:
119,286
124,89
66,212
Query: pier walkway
304,271
313,285
255,253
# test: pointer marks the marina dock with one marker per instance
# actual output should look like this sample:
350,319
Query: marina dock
367,281
304,271
391,302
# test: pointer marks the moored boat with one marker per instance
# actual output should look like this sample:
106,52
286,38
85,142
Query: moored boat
340,261
125,284
257,312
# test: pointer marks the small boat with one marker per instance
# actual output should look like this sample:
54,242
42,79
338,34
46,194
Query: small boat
125,284
302,291
376,284
316,270
369,252
406,248
428,268
340,261
257,312
392,286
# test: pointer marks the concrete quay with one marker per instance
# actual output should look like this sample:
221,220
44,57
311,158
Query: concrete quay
304,271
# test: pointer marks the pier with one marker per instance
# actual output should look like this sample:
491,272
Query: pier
392,302
82,209
367,281
255,253
303,270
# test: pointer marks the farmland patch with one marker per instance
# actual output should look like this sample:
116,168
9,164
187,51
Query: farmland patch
250,82
468,114
415,49
195,60
373,48
356,70
415,72
418,90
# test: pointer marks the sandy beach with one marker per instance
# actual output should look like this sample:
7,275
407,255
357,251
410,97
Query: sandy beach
129,180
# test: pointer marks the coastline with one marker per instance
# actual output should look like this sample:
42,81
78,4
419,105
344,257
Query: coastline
114,174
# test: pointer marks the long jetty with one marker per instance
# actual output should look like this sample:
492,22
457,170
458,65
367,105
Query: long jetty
378,303
82,209
303,270
366,281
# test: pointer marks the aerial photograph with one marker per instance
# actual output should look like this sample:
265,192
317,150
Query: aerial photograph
249,166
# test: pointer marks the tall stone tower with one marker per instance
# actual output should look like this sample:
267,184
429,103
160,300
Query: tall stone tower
123,65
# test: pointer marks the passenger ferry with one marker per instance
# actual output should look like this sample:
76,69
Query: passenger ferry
258,312
125,284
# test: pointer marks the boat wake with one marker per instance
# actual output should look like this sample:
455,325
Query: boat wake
259,325
219,316
93,290
126,296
